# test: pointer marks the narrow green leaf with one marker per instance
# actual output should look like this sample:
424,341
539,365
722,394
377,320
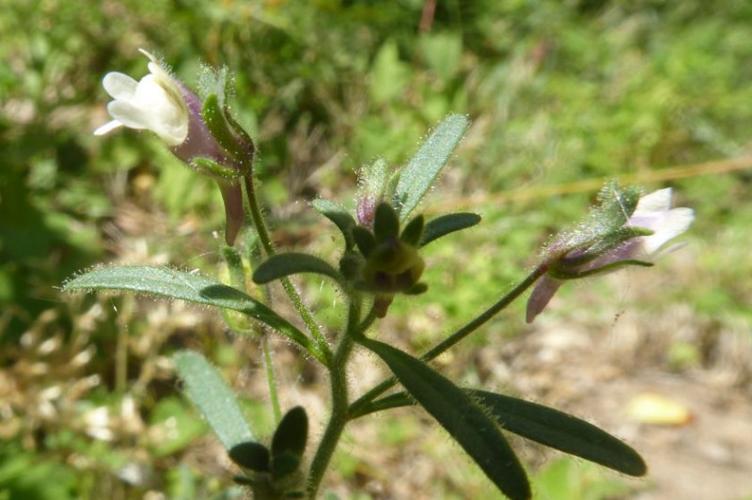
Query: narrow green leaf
465,421
420,173
441,226
543,425
396,400
339,216
562,431
292,433
216,402
285,264
187,286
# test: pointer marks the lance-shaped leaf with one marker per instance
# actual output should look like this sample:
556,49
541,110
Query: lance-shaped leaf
216,402
544,425
562,431
465,421
441,226
286,264
339,216
187,286
420,173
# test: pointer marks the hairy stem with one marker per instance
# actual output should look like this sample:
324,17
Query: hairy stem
455,337
338,380
271,379
292,293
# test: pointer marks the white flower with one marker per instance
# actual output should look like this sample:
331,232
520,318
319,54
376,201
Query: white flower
154,103
654,212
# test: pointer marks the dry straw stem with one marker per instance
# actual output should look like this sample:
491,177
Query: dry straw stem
643,177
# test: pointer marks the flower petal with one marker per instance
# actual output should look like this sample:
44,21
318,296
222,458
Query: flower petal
544,290
161,112
674,223
108,127
657,201
119,86
128,114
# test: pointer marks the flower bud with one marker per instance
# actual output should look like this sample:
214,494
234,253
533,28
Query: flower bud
389,261
375,187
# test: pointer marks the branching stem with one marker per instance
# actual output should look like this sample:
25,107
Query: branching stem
292,293
455,337
338,380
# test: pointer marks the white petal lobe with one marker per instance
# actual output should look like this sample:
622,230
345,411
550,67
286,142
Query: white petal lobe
657,201
672,224
128,114
119,85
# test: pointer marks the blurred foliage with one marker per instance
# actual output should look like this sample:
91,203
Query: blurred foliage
558,92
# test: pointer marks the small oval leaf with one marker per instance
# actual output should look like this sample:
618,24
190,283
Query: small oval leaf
286,264
292,433
206,389
385,223
413,232
441,226
251,455
465,421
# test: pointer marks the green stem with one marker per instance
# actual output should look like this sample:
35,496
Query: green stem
367,321
457,336
271,379
292,293
339,416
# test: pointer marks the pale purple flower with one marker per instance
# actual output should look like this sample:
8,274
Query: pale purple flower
160,103
653,212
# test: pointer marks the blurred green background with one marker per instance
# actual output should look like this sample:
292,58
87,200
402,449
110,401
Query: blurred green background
562,95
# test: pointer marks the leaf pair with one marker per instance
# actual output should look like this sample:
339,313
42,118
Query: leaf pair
430,231
286,451
205,388
473,419
465,420
543,425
